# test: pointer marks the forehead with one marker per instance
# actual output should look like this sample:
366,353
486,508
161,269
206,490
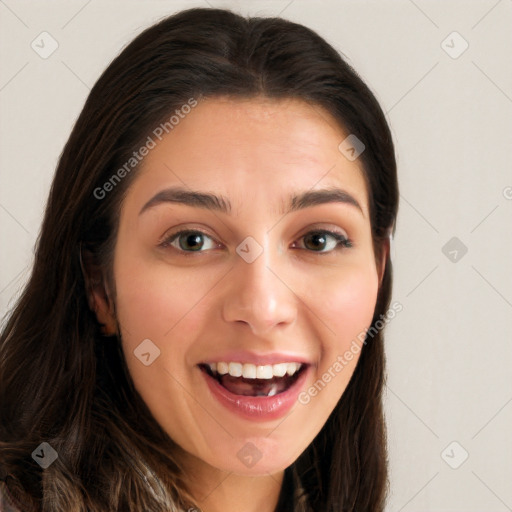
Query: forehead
252,149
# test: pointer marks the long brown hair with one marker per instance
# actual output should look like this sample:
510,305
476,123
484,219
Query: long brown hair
64,383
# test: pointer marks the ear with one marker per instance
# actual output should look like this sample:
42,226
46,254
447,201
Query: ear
98,294
103,307
381,265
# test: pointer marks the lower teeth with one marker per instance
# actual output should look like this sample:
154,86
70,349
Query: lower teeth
271,392
255,387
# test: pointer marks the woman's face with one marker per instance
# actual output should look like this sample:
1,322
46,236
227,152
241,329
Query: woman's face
272,278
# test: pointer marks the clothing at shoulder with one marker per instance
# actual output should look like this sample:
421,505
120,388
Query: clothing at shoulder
6,503
291,495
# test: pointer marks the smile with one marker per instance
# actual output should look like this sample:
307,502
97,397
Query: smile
258,392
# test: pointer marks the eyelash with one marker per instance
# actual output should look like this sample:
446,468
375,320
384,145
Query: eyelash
342,241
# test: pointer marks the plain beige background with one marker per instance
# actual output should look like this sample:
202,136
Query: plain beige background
448,98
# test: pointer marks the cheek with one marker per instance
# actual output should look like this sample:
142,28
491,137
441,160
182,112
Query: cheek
165,306
346,305
153,302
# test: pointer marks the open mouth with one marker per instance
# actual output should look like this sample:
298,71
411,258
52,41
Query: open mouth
251,380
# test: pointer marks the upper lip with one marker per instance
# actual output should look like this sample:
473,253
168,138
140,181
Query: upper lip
243,356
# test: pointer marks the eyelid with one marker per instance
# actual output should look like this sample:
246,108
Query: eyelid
327,228
342,239
165,240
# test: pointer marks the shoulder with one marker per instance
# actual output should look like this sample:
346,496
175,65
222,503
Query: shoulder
6,502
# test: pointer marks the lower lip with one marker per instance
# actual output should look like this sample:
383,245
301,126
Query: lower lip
257,408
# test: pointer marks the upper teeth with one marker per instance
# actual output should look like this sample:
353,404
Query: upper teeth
252,371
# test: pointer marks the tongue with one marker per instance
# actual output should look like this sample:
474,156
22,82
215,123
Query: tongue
255,387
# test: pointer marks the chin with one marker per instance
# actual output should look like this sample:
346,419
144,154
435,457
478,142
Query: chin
256,456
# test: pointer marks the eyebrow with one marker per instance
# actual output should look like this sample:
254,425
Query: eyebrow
209,201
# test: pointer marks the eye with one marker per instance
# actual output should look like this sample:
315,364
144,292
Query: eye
330,240
320,241
193,242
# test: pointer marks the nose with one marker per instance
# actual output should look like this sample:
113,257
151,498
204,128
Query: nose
259,295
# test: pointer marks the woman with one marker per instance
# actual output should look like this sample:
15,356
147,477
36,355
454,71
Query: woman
199,331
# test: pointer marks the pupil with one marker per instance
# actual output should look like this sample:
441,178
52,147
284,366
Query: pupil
196,241
318,238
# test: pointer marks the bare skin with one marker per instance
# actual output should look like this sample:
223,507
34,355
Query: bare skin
294,298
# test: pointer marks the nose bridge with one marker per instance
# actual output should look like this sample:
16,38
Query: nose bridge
258,295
